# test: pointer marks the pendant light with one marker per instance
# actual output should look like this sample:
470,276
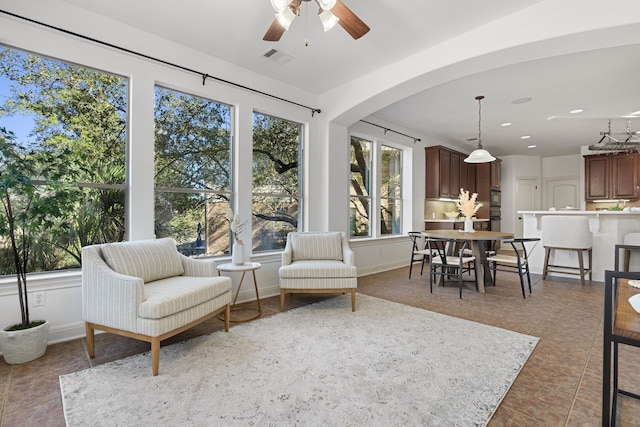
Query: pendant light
479,155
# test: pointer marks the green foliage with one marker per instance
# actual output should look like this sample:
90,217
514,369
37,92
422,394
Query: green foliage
78,114
30,211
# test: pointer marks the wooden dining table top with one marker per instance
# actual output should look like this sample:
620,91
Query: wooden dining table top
462,235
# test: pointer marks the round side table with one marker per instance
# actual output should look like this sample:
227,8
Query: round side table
235,268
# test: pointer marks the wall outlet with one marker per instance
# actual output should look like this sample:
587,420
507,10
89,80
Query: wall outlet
38,298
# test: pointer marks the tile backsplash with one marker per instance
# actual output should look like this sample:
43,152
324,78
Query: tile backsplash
435,209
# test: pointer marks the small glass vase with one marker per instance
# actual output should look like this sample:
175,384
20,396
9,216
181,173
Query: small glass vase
237,256
468,226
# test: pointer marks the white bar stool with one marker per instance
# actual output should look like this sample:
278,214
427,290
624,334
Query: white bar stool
568,233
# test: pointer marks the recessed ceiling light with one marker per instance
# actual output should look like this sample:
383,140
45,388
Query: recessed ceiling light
531,146
505,124
522,100
525,137
576,111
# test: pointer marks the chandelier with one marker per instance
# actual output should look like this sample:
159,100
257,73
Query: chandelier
479,155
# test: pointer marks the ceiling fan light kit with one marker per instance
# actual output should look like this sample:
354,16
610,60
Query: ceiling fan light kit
326,5
279,5
285,18
330,12
479,155
329,20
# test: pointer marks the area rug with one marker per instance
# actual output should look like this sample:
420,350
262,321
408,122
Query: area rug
320,365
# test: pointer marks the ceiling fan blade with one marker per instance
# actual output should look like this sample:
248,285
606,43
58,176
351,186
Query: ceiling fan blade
350,21
274,32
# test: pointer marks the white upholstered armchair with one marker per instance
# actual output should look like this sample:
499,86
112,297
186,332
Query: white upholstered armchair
318,262
147,290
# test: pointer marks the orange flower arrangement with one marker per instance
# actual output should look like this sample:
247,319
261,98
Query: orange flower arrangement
467,205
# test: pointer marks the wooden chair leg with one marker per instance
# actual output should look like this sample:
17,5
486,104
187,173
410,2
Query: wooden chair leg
282,300
90,340
353,300
547,251
627,259
581,266
227,315
155,355
590,263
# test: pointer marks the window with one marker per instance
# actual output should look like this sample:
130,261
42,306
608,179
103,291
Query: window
193,175
360,206
70,124
390,190
376,180
277,183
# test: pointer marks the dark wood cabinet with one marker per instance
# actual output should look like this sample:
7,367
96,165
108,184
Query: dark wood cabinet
446,172
624,176
496,173
611,176
488,176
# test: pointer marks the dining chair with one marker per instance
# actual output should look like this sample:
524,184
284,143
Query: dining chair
419,250
632,243
518,262
445,264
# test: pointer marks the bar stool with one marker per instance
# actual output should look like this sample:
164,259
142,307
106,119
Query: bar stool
631,239
567,233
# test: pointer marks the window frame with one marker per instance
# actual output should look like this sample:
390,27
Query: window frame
301,173
375,197
227,193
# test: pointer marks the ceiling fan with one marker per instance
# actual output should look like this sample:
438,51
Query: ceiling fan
330,13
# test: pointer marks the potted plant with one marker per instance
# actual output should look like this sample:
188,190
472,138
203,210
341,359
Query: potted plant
27,208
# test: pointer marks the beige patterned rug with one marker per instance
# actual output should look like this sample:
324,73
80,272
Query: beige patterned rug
319,365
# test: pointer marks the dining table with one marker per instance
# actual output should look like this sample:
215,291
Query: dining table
477,240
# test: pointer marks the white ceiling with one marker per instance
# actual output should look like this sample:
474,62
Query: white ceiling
604,82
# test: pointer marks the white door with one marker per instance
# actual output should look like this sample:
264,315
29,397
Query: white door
527,199
561,193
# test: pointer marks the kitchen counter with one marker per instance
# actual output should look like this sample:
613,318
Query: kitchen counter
608,228
454,224
454,220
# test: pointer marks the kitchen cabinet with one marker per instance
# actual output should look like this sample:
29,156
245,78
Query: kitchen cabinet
488,176
446,172
612,176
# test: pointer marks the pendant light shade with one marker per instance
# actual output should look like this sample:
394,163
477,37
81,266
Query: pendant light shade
479,155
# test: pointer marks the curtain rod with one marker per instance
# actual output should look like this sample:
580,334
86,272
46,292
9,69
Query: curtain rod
386,129
204,76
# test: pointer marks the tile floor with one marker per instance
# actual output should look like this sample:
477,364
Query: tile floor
560,385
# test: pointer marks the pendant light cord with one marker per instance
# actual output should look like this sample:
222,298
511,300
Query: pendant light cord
480,98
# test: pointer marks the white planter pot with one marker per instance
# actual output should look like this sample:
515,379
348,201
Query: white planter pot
468,226
25,345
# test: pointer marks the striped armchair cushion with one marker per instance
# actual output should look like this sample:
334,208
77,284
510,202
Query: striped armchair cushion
148,259
326,245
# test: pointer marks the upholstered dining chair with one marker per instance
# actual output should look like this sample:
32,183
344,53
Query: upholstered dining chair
446,264
567,233
318,262
518,262
419,251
